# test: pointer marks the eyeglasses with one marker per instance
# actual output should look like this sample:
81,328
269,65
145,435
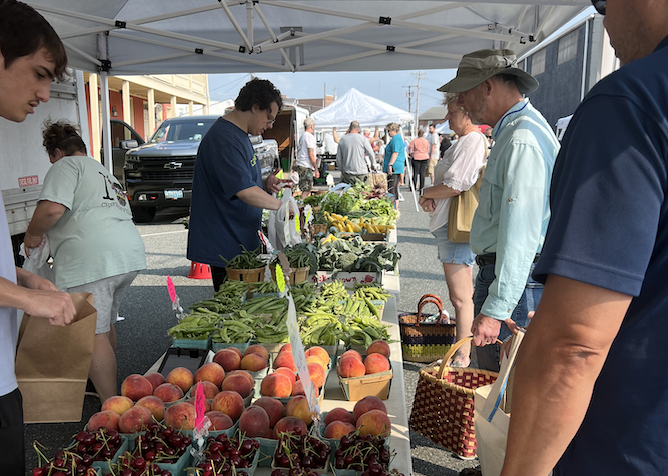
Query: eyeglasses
599,5
270,119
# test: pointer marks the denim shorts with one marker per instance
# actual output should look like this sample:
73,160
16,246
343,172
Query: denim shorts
452,253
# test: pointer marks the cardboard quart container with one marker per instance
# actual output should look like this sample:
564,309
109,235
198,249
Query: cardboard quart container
356,388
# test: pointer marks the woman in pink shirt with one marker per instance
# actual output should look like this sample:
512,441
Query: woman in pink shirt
418,150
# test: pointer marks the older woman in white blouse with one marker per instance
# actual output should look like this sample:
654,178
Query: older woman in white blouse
455,173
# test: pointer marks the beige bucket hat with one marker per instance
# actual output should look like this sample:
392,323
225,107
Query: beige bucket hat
479,66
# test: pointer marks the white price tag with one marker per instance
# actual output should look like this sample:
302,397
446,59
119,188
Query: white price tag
299,357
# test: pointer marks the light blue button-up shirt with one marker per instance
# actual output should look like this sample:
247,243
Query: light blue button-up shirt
513,210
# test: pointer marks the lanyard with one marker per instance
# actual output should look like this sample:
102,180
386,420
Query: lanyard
506,115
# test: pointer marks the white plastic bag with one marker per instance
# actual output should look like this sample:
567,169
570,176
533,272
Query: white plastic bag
281,229
36,263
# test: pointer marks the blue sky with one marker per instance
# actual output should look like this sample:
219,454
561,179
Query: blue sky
388,86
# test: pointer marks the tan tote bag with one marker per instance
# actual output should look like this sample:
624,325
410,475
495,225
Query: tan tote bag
462,209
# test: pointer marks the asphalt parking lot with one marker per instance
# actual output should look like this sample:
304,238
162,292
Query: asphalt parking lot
147,313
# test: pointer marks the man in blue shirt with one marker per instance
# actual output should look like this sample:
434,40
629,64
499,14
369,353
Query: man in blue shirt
513,212
228,194
591,383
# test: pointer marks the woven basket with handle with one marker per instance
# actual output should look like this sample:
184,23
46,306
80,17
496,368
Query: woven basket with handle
443,406
425,341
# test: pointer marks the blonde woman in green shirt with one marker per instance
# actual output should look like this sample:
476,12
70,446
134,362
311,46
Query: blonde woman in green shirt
96,247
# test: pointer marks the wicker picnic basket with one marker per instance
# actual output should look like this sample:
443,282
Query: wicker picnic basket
425,341
443,406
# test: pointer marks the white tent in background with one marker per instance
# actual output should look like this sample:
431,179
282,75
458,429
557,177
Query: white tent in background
355,106
443,128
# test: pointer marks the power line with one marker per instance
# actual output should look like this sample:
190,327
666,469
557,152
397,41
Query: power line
420,76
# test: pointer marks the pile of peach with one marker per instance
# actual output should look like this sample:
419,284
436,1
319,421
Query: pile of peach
369,417
283,382
351,363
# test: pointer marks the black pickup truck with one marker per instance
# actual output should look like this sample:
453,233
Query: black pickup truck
160,172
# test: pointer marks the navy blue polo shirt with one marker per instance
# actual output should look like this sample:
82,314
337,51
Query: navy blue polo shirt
609,228
219,221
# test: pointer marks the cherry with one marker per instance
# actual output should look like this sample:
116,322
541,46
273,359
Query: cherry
37,472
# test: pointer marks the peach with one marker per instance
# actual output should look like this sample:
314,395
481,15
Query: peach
337,429
378,347
317,374
236,351
254,421
256,349
298,389
228,359
253,362
168,392
285,359
239,384
269,434
118,404
316,359
288,373
351,367
181,377
352,352
339,414
368,403
211,372
219,421
298,407
105,419
155,378
285,348
245,373
135,419
154,404
210,390
276,385
374,423
181,416
376,363
320,352
136,386
230,403
290,424
273,407
207,404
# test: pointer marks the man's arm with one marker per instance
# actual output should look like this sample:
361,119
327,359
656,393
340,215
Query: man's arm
520,226
372,156
559,361
314,162
37,300
256,197
335,135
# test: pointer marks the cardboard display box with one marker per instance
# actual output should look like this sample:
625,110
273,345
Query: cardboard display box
356,388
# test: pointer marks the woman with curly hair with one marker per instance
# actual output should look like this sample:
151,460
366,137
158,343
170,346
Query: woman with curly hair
94,243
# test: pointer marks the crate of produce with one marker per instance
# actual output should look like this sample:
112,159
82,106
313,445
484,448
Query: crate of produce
192,359
216,346
102,467
204,344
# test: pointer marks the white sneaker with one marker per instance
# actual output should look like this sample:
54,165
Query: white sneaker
401,197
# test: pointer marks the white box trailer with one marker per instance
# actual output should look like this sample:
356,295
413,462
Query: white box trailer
23,158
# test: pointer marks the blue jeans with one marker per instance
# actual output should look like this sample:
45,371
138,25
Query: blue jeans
489,355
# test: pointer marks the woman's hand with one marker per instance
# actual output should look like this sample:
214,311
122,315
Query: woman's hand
427,204
31,241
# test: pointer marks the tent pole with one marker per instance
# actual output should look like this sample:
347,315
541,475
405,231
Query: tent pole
410,182
273,36
237,27
106,122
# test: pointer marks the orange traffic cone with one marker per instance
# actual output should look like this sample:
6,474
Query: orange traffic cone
199,271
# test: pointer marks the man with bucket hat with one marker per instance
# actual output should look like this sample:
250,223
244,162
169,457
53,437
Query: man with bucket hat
511,220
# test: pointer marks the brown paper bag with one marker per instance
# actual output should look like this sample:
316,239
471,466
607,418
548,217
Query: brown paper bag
52,364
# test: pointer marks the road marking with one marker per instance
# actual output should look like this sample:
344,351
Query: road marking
165,233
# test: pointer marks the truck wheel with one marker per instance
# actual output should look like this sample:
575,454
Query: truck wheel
143,214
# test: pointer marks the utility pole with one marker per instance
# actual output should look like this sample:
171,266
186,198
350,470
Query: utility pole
409,95
419,77
324,97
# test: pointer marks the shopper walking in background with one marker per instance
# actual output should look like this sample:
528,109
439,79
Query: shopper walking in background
434,152
419,152
96,247
395,158
350,157
457,172
307,164
511,220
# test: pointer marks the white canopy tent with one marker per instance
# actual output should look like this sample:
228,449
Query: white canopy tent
355,106
124,37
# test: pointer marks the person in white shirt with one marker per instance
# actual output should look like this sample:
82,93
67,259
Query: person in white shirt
307,164
434,151
457,172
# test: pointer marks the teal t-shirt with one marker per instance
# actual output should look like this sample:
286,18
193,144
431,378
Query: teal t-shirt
95,238
396,145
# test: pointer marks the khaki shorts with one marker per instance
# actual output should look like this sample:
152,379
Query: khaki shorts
431,166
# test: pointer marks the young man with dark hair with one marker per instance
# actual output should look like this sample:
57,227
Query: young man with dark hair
31,55
228,191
